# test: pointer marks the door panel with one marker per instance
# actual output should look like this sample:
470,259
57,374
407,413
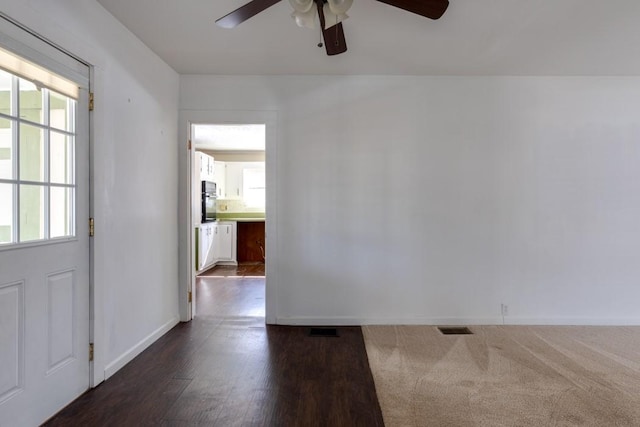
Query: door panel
49,331
12,339
62,315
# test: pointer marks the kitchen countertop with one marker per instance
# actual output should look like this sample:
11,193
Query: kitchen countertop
242,219
240,216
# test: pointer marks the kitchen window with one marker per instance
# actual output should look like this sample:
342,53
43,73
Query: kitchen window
253,187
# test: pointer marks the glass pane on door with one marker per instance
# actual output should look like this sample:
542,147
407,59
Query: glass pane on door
6,88
31,212
60,158
6,149
30,102
60,111
61,212
6,213
31,153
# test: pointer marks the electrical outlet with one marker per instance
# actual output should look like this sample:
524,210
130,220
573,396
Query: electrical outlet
505,309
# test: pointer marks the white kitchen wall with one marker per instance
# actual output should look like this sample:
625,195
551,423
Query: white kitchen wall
437,199
135,174
237,206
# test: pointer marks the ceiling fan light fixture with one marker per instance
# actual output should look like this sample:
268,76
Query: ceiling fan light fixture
301,6
331,18
339,7
306,19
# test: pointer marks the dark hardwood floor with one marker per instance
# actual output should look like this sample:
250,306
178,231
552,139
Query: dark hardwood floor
245,269
229,291
226,368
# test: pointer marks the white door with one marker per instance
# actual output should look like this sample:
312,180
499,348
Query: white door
44,242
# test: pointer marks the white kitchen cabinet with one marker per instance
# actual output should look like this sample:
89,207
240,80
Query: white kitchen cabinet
211,168
206,235
234,180
205,164
225,242
201,165
220,178
217,244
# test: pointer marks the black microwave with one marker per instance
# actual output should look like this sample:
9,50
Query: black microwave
208,201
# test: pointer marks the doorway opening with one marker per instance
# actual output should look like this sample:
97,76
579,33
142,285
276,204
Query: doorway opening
229,217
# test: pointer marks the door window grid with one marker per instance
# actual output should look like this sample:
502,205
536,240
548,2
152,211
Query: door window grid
37,162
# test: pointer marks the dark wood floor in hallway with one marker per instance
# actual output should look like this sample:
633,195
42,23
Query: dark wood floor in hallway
226,368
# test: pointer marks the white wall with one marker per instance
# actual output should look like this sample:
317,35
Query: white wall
437,199
135,174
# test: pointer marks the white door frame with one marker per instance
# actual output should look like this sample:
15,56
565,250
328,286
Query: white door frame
186,269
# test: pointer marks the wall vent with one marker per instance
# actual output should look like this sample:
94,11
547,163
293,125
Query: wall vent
454,330
323,332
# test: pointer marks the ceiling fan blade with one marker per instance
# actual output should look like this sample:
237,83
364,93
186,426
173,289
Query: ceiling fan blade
245,12
334,40
433,9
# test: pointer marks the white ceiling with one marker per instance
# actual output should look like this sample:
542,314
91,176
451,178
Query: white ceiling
474,37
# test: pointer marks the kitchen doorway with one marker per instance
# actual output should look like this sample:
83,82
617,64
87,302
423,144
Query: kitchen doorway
229,216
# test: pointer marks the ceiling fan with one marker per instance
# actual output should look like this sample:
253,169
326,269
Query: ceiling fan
330,13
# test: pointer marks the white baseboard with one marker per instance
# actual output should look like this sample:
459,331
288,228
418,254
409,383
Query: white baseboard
570,321
235,263
129,355
456,321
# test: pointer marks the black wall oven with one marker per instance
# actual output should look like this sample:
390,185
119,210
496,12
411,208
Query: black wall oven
208,201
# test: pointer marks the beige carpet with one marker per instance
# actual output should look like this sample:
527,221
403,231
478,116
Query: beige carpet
506,375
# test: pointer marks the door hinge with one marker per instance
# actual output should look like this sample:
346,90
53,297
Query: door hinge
91,227
90,101
90,352
189,145
190,296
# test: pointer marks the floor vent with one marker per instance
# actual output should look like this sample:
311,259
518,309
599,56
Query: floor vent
323,332
456,330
